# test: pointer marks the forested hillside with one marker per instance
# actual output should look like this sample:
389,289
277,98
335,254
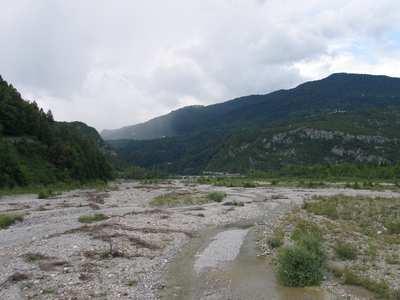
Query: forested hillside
342,119
35,149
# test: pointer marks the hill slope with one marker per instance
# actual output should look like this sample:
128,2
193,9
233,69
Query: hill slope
337,92
344,118
35,149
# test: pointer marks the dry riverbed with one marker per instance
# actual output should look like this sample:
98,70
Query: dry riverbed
60,251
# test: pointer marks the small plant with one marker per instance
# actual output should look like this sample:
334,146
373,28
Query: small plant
216,196
92,218
345,251
276,240
33,257
6,220
132,282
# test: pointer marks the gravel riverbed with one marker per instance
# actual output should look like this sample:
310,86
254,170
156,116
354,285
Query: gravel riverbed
51,255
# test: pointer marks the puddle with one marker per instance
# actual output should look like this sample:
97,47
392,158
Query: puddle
235,273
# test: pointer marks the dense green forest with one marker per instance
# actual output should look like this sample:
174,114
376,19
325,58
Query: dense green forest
35,149
342,120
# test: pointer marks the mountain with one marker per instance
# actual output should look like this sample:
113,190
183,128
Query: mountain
344,118
35,149
337,92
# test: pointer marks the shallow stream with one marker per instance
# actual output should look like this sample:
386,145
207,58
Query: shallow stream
223,264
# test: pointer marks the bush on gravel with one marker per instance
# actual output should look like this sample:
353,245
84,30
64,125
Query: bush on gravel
6,220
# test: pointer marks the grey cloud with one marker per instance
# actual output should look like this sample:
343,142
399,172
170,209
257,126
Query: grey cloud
117,63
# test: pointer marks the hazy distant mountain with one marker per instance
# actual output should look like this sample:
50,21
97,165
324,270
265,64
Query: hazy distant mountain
342,118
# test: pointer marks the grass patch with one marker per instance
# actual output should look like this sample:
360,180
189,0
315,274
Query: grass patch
393,225
306,228
180,199
6,220
228,181
380,288
216,196
92,218
345,251
47,193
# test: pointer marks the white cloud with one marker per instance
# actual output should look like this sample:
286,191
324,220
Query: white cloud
118,63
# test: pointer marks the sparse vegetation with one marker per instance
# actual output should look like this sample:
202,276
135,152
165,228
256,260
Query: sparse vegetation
6,220
216,196
180,199
363,231
92,218
47,193
228,181
380,288
345,251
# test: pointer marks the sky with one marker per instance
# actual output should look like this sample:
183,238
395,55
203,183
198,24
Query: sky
117,63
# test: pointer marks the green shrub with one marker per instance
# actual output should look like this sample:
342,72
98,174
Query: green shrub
299,267
92,218
216,196
6,220
345,251
45,194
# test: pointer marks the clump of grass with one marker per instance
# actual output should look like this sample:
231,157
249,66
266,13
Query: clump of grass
380,288
132,282
177,199
216,196
92,218
345,251
6,220
33,257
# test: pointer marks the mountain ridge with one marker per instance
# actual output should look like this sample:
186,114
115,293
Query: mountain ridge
245,133
185,120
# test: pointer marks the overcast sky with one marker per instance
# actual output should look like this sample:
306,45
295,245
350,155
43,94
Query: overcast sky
115,63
